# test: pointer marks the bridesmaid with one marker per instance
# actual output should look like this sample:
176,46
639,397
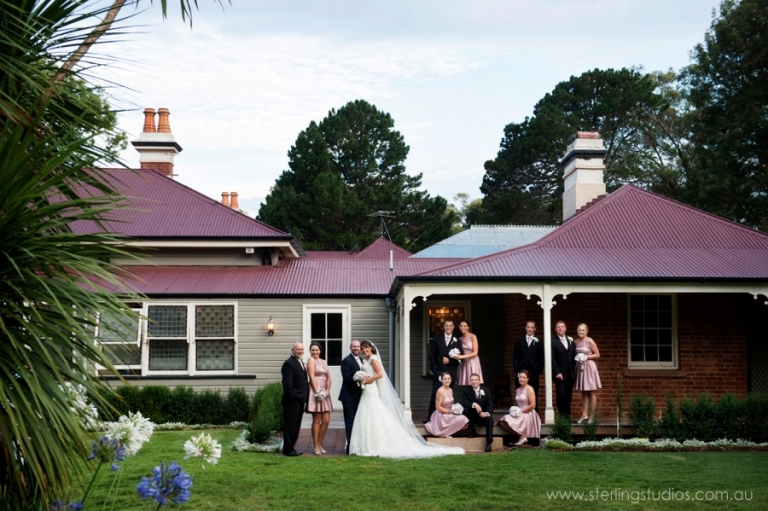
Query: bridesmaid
528,424
470,361
587,376
443,422
319,379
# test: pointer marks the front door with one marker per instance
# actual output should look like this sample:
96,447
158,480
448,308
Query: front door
328,327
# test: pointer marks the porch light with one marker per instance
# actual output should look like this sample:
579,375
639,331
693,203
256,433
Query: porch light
270,326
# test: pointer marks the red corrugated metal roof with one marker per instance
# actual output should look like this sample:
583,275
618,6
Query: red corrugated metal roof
632,233
302,276
380,248
162,207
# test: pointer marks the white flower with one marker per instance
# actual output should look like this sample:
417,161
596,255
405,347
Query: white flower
515,412
457,409
535,339
570,339
81,405
360,377
481,393
454,353
133,431
203,446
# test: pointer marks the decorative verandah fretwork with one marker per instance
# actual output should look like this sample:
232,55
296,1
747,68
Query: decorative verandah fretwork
547,296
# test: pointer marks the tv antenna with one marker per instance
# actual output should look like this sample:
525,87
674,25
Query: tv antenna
382,223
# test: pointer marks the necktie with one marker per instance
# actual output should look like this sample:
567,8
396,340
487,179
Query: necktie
477,393
529,341
447,340
565,342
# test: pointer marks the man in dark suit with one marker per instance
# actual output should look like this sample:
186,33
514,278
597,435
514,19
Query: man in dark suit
440,362
350,390
529,354
295,392
563,368
478,407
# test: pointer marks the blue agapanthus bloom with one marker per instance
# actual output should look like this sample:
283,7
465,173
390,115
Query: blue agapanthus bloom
168,482
60,505
107,450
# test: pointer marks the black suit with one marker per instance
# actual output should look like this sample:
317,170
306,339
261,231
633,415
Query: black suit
563,363
530,358
486,403
350,393
295,392
437,350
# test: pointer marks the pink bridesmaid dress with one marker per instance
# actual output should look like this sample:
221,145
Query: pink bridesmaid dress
587,377
469,366
321,378
528,424
445,424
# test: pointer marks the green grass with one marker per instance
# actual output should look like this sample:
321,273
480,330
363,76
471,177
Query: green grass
516,480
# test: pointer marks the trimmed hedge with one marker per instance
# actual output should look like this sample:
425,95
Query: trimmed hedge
182,404
267,412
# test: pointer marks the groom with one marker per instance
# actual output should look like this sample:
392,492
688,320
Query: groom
478,407
440,362
350,390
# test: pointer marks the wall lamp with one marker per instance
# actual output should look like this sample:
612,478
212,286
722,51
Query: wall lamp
270,326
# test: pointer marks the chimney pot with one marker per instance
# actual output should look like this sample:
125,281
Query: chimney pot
583,168
163,124
225,198
149,121
233,201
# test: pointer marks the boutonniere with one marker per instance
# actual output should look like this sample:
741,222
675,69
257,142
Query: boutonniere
535,339
570,339
453,339
481,393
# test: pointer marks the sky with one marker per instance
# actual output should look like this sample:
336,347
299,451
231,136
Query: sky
246,79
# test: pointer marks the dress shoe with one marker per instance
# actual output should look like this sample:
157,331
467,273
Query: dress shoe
426,420
488,448
521,442
472,433
294,453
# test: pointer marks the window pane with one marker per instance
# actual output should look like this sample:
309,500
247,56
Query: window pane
651,337
665,337
665,302
636,337
167,321
215,355
118,328
651,353
637,353
215,321
123,354
636,302
334,353
651,302
318,325
665,353
334,325
651,319
665,319
168,355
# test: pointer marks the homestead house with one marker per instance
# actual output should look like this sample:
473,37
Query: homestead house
674,297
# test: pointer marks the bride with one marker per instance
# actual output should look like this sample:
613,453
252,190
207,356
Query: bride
380,427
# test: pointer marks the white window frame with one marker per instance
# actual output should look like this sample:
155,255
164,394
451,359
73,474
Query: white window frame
467,304
138,343
306,321
191,340
675,363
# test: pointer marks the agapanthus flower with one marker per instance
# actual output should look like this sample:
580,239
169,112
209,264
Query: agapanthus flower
132,430
60,505
81,405
203,446
168,482
108,450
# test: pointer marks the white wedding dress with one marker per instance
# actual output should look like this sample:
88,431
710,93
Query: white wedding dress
380,427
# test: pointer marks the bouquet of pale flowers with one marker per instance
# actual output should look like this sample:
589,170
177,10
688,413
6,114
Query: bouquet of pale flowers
360,377
454,353
581,358
515,412
457,409
320,395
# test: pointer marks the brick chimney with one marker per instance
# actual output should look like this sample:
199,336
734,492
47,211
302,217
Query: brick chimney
225,198
582,171
233,201
156,145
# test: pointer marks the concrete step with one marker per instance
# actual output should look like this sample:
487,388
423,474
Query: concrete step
476,444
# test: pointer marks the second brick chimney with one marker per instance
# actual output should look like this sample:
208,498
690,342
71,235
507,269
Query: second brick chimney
583,168
156,144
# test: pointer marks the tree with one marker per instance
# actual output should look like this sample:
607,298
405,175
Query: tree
343,170
464,212
523,184
726,87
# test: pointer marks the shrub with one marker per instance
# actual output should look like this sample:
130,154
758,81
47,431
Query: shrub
756,417
642,407
590,426
561,430
619,407
266,412
698,417
670,420
184,406
238,405
555,444
211,408
154,403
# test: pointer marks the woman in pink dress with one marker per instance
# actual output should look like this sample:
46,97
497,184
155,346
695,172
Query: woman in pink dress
443,422
319,380
470,362
528,423
587,376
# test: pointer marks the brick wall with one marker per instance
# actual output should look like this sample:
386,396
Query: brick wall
164,168
712,347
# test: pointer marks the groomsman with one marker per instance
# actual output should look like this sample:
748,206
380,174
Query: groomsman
529,354
439,361
295,392
350,390
563,368
478,407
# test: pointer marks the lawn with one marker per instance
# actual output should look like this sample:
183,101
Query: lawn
515,480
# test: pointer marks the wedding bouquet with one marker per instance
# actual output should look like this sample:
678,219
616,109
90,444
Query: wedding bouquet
457,409
320,395
581,358
515,412
360,377
454,353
